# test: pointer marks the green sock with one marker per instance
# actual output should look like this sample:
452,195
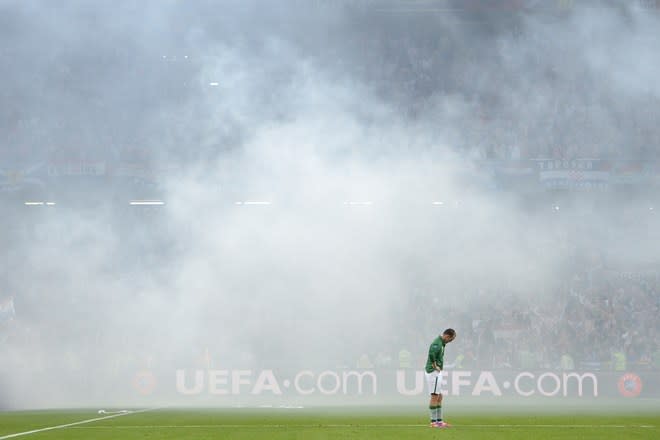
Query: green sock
438,413
433,413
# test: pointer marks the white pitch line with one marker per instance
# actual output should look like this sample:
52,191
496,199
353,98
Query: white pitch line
67,425
356,425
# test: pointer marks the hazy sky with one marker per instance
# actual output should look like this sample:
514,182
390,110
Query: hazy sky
350,119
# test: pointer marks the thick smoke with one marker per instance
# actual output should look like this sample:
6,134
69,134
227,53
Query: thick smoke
319,178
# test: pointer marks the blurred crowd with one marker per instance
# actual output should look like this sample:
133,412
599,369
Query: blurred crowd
556,109
481,77
599,320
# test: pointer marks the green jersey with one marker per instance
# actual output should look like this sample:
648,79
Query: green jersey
436,354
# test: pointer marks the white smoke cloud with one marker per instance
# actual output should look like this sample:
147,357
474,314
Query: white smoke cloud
365,200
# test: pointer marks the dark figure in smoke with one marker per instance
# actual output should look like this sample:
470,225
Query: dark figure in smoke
434,365
7,316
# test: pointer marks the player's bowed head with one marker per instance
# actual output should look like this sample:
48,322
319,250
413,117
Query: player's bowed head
449,335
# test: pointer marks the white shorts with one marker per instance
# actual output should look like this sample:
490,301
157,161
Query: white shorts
434,381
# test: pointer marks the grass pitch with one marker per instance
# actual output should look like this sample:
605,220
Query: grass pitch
320,423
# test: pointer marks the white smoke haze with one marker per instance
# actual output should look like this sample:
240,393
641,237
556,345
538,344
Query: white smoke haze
313,187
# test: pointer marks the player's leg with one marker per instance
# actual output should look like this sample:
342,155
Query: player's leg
439,408
440,423
433,385
433,408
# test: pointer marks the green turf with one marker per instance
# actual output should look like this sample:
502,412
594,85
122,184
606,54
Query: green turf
330,423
